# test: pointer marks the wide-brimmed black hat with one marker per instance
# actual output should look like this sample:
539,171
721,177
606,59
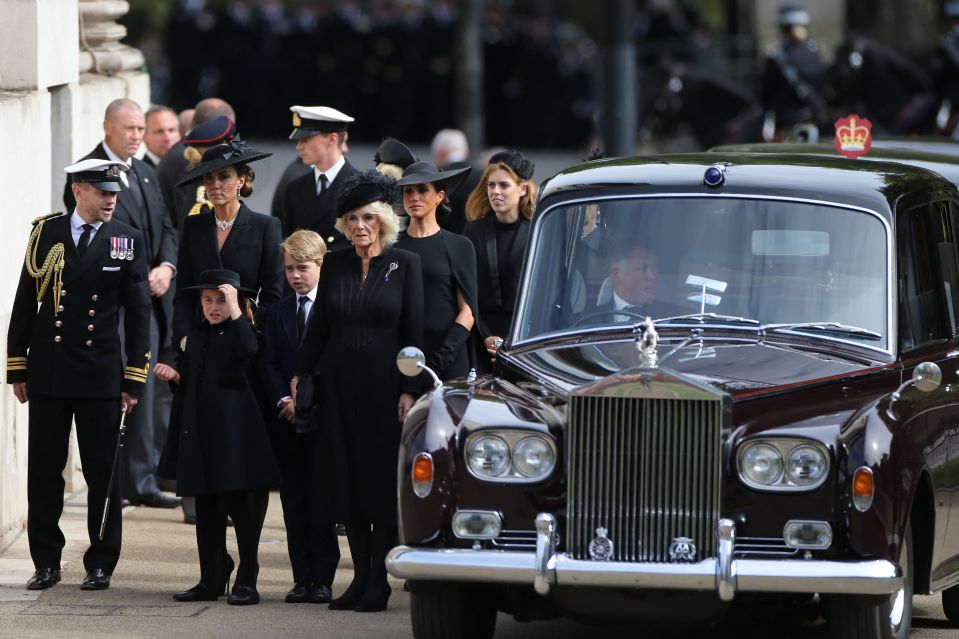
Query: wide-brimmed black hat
223,155
427,173
392,151
362,188
213,277
516,161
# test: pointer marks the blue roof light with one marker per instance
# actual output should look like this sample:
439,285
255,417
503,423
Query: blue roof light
714,175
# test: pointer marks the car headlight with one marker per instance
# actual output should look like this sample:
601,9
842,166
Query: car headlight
761,464
510,455
783,464
533,457
806,465
488,456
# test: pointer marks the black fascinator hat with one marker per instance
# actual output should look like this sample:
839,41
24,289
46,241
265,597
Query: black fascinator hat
516,161
363,188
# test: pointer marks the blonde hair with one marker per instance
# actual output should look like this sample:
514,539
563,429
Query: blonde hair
394,171
304,246
389,222
478,206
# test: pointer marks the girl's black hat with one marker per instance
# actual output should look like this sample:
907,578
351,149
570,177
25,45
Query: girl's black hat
212,278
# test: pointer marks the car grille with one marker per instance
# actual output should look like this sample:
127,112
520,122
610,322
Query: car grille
515,540
648,471
763,548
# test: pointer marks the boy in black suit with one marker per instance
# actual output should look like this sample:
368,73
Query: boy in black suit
311,536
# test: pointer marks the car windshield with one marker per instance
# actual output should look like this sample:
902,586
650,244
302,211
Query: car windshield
783,265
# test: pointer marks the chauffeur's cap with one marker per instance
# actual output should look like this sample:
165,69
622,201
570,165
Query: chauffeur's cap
310,120
106,175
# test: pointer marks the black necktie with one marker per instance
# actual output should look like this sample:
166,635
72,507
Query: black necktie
324,184
135,191
301,317
84,239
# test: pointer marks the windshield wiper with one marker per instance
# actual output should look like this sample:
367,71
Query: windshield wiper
831,327
713,317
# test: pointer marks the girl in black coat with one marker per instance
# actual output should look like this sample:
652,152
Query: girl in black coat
218,449
499,211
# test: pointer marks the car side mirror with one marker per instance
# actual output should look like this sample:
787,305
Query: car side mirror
411,362
927,377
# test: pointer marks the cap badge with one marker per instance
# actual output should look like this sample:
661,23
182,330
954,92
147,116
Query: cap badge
113,172
296,119
853,136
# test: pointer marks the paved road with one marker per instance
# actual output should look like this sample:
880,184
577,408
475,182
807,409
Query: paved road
159,558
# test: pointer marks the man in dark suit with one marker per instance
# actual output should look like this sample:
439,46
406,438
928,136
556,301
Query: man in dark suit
64,357
321,140
307,511
633,278
451,151
141,207
162,132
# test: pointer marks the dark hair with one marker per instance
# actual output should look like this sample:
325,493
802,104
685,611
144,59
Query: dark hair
246,172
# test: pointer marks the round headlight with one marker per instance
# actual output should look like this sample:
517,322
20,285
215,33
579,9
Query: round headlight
761,464
488,456
533,457
806,465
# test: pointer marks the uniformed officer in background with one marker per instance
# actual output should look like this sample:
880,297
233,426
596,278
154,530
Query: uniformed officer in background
308,203
65,357
793,75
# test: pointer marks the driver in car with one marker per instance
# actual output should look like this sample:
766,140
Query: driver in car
633,277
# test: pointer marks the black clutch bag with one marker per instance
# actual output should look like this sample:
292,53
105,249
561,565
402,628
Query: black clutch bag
305,419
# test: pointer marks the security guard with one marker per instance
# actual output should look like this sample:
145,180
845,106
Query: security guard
321,140
793,75
65,357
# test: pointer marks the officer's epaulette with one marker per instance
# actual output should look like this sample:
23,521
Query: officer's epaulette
43,218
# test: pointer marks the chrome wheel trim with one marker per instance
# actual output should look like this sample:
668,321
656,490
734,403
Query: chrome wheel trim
897,600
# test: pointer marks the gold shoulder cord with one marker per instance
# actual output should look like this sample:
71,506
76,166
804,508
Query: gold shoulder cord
52,267
202,203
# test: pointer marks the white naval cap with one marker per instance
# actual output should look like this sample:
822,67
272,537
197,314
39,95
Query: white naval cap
106,175
310,120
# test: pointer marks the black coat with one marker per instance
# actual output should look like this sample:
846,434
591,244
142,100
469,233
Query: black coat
251,249
278,353
75,352
217,441
303,209
356,329
496,301
154,223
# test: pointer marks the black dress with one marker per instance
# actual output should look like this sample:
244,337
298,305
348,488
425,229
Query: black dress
218,441
356,329
449,264
499,266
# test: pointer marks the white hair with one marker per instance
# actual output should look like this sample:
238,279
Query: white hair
451,143
389,222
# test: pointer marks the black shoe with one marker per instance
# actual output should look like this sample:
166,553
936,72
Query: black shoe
44,578
243,596
349,599
124,503
341,530
156,500
374,602
320,594
96,579
199,592
189,519
299,593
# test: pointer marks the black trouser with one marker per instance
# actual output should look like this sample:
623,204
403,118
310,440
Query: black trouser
98,422
307,508
248,510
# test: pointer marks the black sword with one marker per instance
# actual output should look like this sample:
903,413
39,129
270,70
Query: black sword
113,471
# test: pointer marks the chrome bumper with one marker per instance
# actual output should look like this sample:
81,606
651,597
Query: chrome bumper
727,576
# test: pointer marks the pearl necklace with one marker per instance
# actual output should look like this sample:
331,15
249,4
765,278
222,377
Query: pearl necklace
224,225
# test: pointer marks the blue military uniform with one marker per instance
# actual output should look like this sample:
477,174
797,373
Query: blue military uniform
68,352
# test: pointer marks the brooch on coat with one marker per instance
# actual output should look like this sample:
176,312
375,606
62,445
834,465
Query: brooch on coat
393,267
121,248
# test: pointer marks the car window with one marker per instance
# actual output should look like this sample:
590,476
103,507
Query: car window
609,262
928,293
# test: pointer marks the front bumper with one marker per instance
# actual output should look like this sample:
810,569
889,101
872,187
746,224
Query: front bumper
727,576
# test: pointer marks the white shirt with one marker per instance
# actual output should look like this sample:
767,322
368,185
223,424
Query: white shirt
330,173
76,228
113,156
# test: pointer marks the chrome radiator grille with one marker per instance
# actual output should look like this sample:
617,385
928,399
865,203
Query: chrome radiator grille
647,470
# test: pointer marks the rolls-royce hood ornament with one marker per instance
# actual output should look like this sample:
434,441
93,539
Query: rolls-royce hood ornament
647,340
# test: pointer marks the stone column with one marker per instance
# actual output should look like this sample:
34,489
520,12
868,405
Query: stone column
100,35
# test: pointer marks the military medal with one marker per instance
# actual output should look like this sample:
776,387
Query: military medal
129,248
114,253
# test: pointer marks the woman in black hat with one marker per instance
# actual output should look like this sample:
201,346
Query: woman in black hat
218,449
369,305
449,267
499,211
230,236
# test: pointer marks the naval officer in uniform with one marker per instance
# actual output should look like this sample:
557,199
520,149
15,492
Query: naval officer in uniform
64,357
321,140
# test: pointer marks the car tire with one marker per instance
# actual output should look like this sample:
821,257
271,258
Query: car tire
451,610
950,604
863,617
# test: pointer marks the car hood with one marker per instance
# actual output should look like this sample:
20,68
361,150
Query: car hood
738,369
